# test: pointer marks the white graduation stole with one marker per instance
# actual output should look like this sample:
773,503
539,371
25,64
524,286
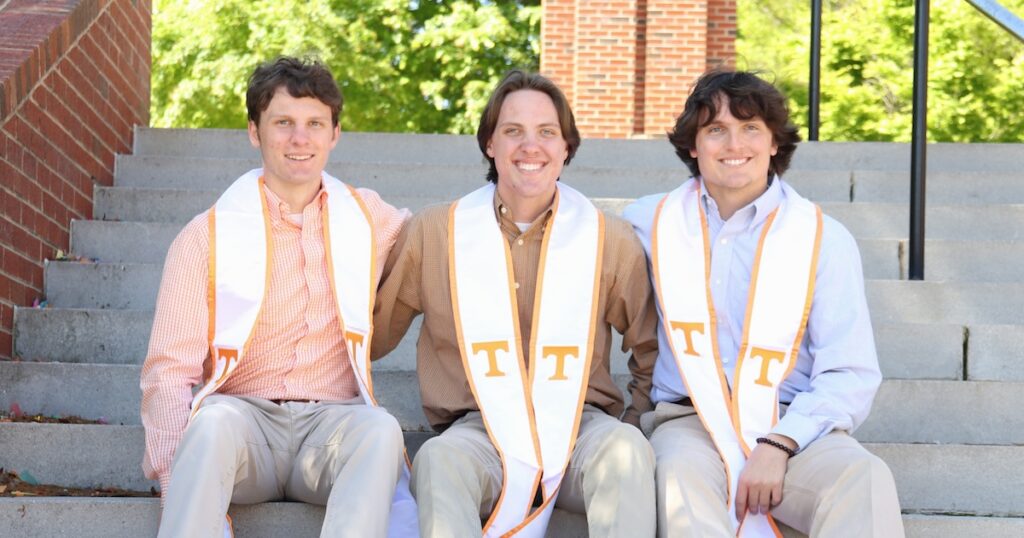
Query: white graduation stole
240,247
781,289
532,417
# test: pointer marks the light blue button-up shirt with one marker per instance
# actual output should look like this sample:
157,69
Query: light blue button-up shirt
836,374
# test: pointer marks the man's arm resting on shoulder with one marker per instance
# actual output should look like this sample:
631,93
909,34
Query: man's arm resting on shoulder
177,348
398,296
631,311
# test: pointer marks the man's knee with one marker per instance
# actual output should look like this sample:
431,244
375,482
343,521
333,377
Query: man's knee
624,449
216,427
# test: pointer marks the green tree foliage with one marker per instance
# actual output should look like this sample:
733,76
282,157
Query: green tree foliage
403,65
976,69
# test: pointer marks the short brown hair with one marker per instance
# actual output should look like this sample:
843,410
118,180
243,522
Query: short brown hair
301,77
749,97
514,81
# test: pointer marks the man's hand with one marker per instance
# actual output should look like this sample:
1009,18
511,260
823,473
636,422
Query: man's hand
760,483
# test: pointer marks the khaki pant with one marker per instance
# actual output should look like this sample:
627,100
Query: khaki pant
344,455
457,477
833,488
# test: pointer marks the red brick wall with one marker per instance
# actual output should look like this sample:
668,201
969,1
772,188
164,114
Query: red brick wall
74,81
628,65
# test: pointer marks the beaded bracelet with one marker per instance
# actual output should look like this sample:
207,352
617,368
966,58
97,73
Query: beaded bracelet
776,444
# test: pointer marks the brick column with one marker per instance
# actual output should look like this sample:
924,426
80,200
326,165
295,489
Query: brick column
74,81
627,65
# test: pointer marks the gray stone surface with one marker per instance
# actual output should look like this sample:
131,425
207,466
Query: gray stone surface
463,149
957,479
969,261
134,286
975,479
964,223
101,285
906,350
905,411
122,242
944,187
996,352
915,411
946,302
920,351
133,518
437,182
82,335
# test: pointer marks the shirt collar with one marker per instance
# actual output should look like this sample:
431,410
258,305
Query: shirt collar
508,226
754,213
278,208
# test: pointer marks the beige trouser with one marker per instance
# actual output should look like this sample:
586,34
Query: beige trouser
345,455
457,477
833,488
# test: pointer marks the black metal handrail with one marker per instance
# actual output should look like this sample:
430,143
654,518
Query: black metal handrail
919,130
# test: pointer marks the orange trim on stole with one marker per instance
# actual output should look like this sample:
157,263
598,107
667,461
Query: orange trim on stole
812,279
745,339
373,284
453,286
211,286
712,328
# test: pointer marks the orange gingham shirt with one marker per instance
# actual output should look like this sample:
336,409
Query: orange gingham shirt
297,349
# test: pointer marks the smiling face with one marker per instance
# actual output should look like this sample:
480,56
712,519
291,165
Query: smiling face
528,151
734,155
295,137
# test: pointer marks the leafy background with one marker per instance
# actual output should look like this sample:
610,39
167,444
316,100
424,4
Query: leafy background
427,66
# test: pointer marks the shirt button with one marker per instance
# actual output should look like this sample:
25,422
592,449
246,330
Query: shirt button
519,241
517,285
718,281
725,241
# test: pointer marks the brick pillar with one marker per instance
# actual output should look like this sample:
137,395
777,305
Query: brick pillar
74,81
627,65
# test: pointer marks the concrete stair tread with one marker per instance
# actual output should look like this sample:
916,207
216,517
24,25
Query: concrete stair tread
984,479
906,411
906,350
463,149
965,261
448,181
134,286
132,517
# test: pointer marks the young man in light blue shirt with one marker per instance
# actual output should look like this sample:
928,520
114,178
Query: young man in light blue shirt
767,359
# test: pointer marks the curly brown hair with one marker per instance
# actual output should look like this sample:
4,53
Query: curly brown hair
749,96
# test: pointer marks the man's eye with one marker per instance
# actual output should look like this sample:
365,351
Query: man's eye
548,132
284,122
512,131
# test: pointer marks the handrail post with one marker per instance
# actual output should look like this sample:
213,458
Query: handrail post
919,140
814,92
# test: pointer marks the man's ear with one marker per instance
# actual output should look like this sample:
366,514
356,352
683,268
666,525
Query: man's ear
336,135
254,135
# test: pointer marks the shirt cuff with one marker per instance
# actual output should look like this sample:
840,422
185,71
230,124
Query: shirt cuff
802,429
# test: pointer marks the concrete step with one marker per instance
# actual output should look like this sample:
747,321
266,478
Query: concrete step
463,149
905,411
964,261
45,517
982,303
131,518
134,286
447,181
982,479
906,350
